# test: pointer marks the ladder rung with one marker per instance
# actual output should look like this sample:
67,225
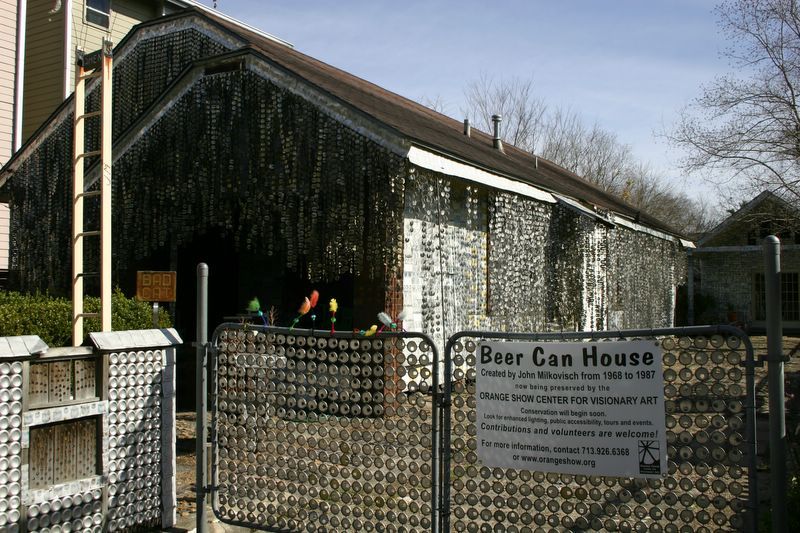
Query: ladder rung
94,233
90,115
87,275
88,315
90,75
88,194
89,154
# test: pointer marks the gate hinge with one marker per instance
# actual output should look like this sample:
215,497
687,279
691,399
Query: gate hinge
755,363
765,359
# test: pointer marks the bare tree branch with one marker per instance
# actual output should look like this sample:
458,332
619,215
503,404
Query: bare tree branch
590,151
514,99
745,127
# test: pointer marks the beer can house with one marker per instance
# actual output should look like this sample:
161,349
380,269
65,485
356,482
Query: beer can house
283,173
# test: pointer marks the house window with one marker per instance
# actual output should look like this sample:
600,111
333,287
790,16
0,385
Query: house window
98,12
59,382
786,231
68,449
790,297
63,452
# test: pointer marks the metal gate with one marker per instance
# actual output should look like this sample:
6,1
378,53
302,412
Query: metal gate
314,432
709,396
320,432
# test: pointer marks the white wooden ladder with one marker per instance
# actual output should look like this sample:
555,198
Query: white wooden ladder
100,229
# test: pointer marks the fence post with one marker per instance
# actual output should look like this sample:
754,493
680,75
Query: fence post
777,420
690,288
200,388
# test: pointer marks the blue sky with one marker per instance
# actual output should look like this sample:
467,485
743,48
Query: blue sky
629,65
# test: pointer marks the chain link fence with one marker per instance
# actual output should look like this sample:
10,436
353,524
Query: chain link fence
314,432
710,421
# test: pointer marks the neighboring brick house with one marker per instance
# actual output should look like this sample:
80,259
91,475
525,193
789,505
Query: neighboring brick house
729,262
284,173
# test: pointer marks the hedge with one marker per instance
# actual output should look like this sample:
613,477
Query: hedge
50,318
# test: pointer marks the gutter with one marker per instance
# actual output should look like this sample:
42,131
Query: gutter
68,51
583,210
750,248
631,224
19,75
446,165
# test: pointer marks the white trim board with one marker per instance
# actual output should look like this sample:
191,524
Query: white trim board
430,161
437,163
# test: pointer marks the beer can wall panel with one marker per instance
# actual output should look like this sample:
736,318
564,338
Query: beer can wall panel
10,444
315,432
88,447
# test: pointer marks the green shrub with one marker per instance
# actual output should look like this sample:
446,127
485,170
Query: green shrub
792,508
50,318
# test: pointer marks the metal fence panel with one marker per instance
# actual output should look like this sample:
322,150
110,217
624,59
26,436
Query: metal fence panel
314,432
710,420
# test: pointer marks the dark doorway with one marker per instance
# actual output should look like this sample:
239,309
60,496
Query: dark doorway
237,276
219,253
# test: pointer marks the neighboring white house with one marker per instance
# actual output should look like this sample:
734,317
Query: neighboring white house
8,61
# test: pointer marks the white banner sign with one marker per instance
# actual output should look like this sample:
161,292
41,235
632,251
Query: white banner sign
593,408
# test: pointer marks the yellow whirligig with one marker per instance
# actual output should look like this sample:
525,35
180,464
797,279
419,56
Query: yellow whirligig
333,306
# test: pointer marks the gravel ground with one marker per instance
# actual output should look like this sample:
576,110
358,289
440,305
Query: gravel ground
791,349
185,480
186,464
